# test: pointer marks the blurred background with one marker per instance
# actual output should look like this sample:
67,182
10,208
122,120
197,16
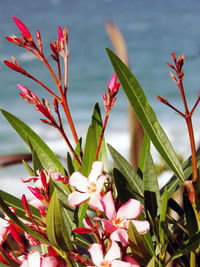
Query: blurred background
152,30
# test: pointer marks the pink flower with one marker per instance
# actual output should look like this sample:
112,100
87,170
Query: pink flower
4,229
34,259
118,221
110,259
88,188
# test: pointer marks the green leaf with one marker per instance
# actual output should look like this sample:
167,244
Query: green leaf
8,259
145,150
70,166
122,186
44,153
145,114
138,246
151,263
97,127
173,184
89,152
133,179
57,226
92,140
162,222
77,151
189,246
20,224
28,168
192,224
151,189
16,203
37,165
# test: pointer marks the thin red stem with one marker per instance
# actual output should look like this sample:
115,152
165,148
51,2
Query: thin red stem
190,131
102,134
69,145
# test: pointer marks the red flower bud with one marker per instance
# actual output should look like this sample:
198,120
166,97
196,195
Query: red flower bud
24,30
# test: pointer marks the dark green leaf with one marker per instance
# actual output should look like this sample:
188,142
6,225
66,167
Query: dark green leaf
97,127
70,166
145,114
145,150
77,151
45,154
122,186
89,152
173,184
57,231
133,179
192,224
16,203
151,189
138,246
163,223
37,165
190,245
20,224
8,259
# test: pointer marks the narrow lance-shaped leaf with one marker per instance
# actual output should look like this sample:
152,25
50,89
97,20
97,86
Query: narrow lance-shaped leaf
145,150
173,184
20,224
44,153
138,246
151,189
16,203
163,223
55,226
133,179
145,114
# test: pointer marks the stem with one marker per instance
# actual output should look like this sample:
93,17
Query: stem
190,131
193,149
102,134
69,145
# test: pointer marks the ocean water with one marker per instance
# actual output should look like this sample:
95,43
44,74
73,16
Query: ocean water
152,30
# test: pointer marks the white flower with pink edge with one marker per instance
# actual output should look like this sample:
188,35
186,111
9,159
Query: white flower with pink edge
88,188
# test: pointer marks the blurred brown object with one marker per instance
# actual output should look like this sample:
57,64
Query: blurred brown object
136,129
14,159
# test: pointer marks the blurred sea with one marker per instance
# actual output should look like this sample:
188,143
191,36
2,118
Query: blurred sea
152,29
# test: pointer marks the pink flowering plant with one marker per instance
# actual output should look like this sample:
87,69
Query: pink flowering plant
83,214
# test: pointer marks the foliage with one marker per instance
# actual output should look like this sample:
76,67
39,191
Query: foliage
82,216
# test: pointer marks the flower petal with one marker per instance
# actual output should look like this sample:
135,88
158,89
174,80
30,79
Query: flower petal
117,263
96,253
77,198
108,206
107,225
96,171
141,226
49,262
113,252
134,262
130,210
34,259
79,181
120,235
95,202
100,182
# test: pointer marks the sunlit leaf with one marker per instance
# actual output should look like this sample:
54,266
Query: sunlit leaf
145,114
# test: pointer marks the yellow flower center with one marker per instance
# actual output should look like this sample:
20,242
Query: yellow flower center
92,188
106,264
119,223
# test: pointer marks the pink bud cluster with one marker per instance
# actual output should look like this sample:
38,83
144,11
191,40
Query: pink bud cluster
113,88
